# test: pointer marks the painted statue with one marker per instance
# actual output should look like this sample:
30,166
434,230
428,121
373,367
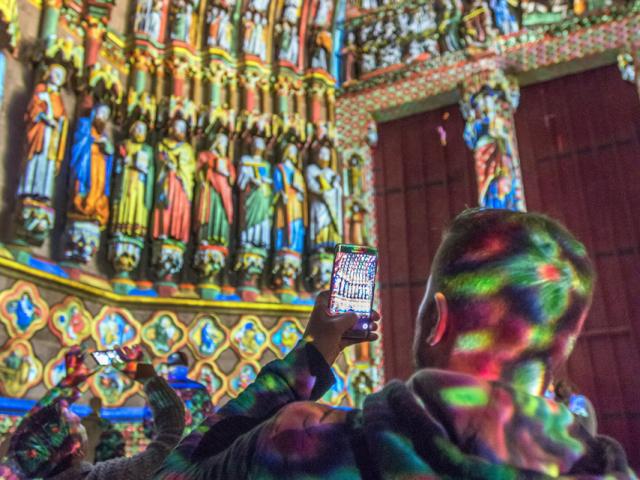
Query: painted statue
256,196
174,185
504,17
321,50
91,163
183,12
148,18
288,49
290,201
323,13
349,55
213,207
220,28
451,12
488,132
259,5
325,196
133,190
478,24
46,137
255,35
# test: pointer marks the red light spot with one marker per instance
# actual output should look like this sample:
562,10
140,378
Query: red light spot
549,272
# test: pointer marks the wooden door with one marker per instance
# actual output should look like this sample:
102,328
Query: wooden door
579,139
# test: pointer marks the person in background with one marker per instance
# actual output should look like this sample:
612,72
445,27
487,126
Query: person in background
51,442
94,425
506,299
111,444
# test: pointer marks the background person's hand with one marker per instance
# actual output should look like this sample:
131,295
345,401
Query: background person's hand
135,365
325,331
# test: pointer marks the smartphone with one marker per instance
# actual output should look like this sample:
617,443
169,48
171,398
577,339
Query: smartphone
353,283
107,357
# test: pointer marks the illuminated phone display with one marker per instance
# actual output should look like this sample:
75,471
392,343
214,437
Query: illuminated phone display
106,357
353,283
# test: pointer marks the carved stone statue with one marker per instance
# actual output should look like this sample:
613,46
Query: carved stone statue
451,12
321,50
256,194
216,176
288,49
90,166
46,137
132,203
325,196
489,133
290,190
174,185
47,124
220,28
504,17
148,18
290,220
133,186
349,54
323,14
90,175
183,13
213,212
478,24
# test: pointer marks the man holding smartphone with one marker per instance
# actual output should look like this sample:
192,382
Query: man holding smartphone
507,296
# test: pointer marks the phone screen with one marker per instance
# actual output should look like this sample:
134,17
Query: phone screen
353,284
106,357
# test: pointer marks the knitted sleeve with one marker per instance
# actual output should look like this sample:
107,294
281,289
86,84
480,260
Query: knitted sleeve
168,417
302,375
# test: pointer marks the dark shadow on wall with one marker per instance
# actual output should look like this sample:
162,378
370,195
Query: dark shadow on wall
15,105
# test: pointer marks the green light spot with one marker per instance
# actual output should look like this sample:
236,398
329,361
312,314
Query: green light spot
465,396
474,341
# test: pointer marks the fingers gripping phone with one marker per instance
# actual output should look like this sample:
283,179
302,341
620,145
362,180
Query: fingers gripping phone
353,283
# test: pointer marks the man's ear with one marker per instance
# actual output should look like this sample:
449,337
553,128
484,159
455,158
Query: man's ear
442,321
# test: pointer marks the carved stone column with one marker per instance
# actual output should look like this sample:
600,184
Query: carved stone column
489,100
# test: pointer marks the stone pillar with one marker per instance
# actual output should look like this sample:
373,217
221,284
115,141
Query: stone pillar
489,100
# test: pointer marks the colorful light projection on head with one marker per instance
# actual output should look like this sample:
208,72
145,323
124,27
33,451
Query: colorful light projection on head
164,333
20,369
70,321
517,286
22,310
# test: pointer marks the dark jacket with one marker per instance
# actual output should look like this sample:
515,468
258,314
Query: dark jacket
440,424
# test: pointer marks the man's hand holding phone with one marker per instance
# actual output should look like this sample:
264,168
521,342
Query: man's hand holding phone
326,330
